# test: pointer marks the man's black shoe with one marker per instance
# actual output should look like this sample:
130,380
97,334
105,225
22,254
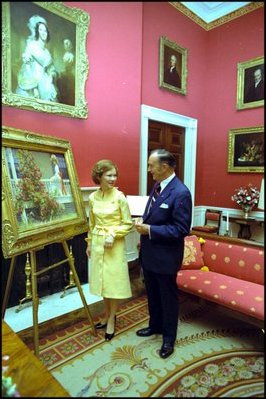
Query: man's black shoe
146,332
166,350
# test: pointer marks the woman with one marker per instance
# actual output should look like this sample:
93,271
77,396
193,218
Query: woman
57,182
37,75
109,222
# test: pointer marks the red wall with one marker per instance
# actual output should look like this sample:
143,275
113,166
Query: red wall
238,41
123,51
211,91
161,19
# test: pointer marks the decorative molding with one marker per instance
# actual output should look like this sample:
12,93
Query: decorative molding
220,21
190,125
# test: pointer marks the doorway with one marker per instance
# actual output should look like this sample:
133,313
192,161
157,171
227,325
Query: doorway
190,144
171,138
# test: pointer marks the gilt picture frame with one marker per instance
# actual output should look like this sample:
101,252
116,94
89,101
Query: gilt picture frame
246,150
172,66
41,198
250,84
44,59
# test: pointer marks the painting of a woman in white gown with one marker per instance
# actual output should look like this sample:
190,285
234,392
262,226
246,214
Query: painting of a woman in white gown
43,55
57,182
37,76
45,61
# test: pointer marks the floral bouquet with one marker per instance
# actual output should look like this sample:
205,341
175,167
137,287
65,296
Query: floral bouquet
246,196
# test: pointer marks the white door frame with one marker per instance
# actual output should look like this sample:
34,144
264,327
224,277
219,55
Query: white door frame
190,125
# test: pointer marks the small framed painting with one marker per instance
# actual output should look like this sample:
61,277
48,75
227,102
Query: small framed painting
250,83
246,150
173,66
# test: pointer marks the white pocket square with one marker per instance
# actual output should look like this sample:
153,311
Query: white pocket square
163,205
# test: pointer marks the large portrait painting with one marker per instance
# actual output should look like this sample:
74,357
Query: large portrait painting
44,60
246,150
250,83
173,66
41,197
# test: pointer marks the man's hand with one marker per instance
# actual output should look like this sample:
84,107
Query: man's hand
142,228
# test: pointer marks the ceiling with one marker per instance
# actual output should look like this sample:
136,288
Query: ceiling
209,11
210,14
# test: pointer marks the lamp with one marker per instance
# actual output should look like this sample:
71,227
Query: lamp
261,199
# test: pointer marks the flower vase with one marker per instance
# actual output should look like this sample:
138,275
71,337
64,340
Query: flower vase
246,210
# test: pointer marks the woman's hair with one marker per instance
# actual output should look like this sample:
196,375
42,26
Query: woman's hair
53,158
37,34
102,166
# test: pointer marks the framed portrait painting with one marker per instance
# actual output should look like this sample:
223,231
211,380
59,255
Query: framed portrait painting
44,59
250,83
173,66
246,150
41,197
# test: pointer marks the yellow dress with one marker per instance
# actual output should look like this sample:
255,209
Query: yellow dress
108,268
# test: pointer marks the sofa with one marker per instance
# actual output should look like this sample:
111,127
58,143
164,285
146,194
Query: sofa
227,271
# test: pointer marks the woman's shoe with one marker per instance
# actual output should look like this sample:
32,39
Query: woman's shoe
108,336
100,325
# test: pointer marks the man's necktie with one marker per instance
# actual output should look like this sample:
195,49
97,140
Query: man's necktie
155,194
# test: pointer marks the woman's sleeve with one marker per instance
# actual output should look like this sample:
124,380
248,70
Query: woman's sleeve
126,220
26,56
27,78
91,222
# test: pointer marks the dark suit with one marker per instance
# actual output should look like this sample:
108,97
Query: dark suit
161,255
172,77
255,93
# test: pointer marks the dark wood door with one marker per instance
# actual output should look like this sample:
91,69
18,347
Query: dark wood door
171,138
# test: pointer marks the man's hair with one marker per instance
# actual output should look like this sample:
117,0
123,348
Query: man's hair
165,156
258,70
102,166
174,56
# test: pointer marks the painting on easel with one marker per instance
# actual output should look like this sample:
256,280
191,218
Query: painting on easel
42,201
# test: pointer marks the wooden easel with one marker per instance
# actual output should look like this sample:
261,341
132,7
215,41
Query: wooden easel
35,298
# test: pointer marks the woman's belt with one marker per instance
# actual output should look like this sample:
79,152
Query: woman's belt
102,230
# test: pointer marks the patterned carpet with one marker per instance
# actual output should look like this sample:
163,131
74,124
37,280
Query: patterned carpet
215,356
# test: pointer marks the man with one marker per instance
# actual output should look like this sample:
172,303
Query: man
165,223
255,91
171,75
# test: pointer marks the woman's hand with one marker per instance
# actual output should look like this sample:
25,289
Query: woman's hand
36,93
88,251
27,58
109,241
